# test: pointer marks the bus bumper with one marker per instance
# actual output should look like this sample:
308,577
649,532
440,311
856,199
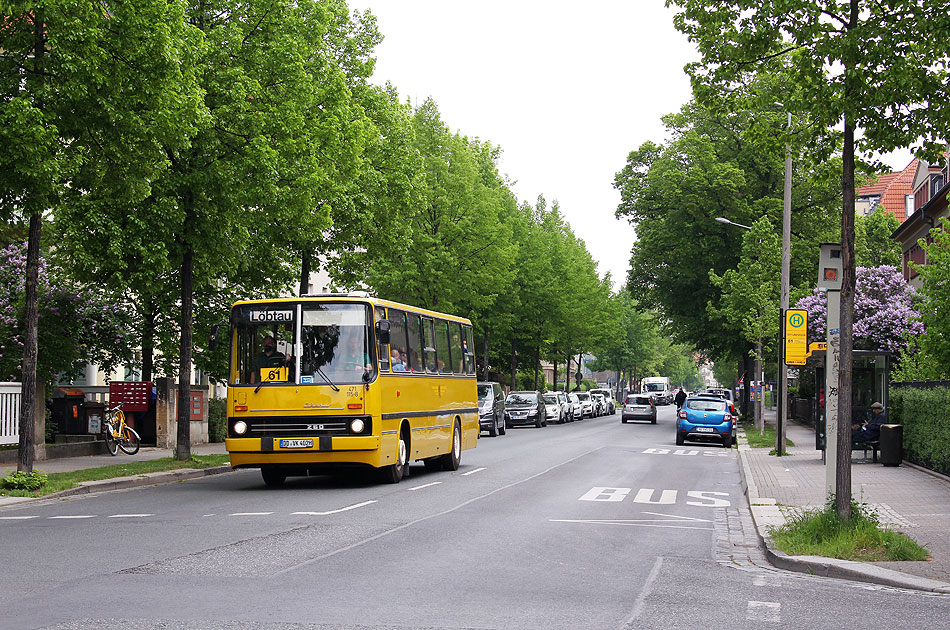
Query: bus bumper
250,452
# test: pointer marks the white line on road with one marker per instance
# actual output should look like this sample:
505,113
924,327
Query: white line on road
677,516
644,593
426,485
349,507
472,472
73,517
764,611
252,514
16,518
130,515
628,523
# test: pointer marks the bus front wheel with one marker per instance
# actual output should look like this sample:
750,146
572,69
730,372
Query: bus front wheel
273,477
450,461
394,472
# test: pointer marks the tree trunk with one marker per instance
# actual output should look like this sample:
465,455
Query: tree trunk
148,340
759,419
537,366
183,445
28,401
514,367
305,273
567,374
485,373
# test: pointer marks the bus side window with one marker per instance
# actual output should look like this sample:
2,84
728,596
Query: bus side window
383,349
415,343
468,347
428,331
397,341
458,358
443,356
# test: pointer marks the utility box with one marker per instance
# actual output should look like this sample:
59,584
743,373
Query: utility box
892,444
95,412
829,266
67,410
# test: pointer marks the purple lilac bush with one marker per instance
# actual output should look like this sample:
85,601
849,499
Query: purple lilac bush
884,315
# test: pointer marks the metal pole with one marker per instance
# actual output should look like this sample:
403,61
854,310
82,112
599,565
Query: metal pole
782,417
832,368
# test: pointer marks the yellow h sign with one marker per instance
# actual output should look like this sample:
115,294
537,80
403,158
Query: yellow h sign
796,336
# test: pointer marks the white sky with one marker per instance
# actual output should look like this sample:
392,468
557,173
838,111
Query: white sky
567,89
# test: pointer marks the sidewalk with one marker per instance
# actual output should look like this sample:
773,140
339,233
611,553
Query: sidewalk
70,464
906,498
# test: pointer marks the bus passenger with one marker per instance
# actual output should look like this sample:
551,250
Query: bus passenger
398,365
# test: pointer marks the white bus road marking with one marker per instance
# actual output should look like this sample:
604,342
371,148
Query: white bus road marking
16,518
661,523
251,514
130,515
349,507
645,495
76,516
683,451
472,472
425,485
764,611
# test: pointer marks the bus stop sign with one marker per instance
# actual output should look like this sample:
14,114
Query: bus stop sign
796,336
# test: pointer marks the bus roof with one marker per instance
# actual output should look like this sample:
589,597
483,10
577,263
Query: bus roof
357,297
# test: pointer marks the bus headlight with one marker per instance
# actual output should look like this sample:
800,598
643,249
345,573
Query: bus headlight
240,427
357,426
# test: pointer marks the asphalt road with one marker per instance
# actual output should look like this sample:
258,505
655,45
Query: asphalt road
593,524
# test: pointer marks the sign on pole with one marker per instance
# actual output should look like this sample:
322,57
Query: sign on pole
796,336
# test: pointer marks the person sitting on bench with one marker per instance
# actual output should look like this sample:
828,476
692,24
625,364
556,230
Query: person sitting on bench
870,431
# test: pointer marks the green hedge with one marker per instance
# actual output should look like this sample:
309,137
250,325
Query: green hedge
925,416
217,419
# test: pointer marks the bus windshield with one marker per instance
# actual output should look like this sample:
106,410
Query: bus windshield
332,340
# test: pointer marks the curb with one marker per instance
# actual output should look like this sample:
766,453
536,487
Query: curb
827,567
134,481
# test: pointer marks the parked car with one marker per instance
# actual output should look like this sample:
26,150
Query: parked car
705,418
552,408
600,403
587,404
491,408
577,409
608,398
566,406
638,407
525,408
722,392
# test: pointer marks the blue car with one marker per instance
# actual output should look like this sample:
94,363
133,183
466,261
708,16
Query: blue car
705,418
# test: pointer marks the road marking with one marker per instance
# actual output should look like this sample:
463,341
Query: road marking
472,472
425,485
681,518
630,523
129,515
251,514
645,495
644,593
696,494
73,517
349,507
764,611
683,451
657,451
602,493
16,518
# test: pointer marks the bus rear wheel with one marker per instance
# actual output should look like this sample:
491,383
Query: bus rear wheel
273,477
450,461
394,472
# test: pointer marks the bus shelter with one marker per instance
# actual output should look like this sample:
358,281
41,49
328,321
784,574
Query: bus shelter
870,372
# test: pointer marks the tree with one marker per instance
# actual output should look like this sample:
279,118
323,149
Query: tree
862,63
873,245
80,81
935,296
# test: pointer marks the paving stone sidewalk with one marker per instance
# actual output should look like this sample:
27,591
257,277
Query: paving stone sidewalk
908,498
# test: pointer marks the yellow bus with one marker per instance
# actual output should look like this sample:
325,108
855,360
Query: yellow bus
323,382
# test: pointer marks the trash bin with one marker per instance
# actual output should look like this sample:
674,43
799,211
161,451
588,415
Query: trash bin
892,444
66,410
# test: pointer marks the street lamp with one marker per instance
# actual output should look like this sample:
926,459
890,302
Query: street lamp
726,221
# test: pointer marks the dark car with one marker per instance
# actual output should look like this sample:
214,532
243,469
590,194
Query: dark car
722,392
705,418
638,407
525,408
491,408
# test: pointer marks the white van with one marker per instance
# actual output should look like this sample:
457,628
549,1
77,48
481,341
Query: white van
658,388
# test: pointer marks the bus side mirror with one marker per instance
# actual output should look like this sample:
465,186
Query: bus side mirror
213,341
382,332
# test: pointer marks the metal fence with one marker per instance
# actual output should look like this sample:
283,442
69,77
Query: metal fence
10,413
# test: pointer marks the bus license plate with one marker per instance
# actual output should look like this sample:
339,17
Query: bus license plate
296,443
705,430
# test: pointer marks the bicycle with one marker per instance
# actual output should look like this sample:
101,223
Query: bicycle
118,433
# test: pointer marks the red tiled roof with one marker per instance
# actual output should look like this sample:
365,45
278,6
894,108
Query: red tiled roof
892,188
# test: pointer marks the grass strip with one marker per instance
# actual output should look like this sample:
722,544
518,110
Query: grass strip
57,482
822,533
764,440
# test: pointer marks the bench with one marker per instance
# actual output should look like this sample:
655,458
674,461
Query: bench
874,445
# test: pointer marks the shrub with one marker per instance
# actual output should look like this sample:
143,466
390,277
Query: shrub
217,419
24,481
926,420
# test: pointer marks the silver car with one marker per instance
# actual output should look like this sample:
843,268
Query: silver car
566,405
638,407
577,410
587,404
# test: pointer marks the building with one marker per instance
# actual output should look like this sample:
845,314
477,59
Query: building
929,197
891,192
